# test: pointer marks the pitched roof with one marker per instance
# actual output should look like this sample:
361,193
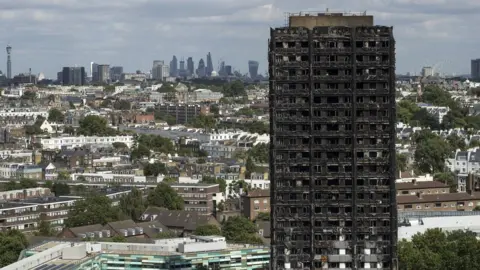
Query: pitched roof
187,220
85,229
420,185
443,197
122,225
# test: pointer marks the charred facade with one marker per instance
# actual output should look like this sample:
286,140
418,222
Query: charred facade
332,158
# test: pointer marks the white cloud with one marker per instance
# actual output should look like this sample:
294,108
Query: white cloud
134,32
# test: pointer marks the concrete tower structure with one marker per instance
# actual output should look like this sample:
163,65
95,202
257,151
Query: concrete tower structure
9,62
332,143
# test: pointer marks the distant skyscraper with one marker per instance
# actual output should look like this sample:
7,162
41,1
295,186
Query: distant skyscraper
190,66
209,67
182,65
228,70
253,69
160,71
174,67
9,62
94,71
475,71
73,76
104,73
201,70
116,73
221,69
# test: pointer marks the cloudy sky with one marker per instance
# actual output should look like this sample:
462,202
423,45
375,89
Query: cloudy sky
48,34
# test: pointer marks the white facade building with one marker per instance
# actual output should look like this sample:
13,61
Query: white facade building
72,142
109,177
22,113
437,111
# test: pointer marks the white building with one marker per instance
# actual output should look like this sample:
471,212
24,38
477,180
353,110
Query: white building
72,142
47,127
109,177
13,92
420,225
437,111
22,113
204,95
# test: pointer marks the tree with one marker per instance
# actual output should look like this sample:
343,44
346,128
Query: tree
166,88
119,239
140,152
439,250
171,120
448,178
207,229
61,189
165,235
119,146
263,216
203,121
48,184
63,175
55,116
213,180
133,204
234,89
430,154
122,105
169,180
165,196
456,142
44,227
11,185
154,169
156,143
69,130
29,95
240,230
259,153
96,209
27,183
94,125
109,89
401,162
12,242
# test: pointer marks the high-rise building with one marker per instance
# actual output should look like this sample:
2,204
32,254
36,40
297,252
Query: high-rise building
73,76
201,70
104,73
116,73
228,70
9,62
332,143
190,66
221,69
174,67
160,71
427,71
209,67
475,69
253,69
94,71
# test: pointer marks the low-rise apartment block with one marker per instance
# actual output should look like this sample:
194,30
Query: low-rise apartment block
80,141
183,113
26,214
424,187
255,202
20,170
199,197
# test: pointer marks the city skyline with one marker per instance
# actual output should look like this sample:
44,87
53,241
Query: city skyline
426,33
